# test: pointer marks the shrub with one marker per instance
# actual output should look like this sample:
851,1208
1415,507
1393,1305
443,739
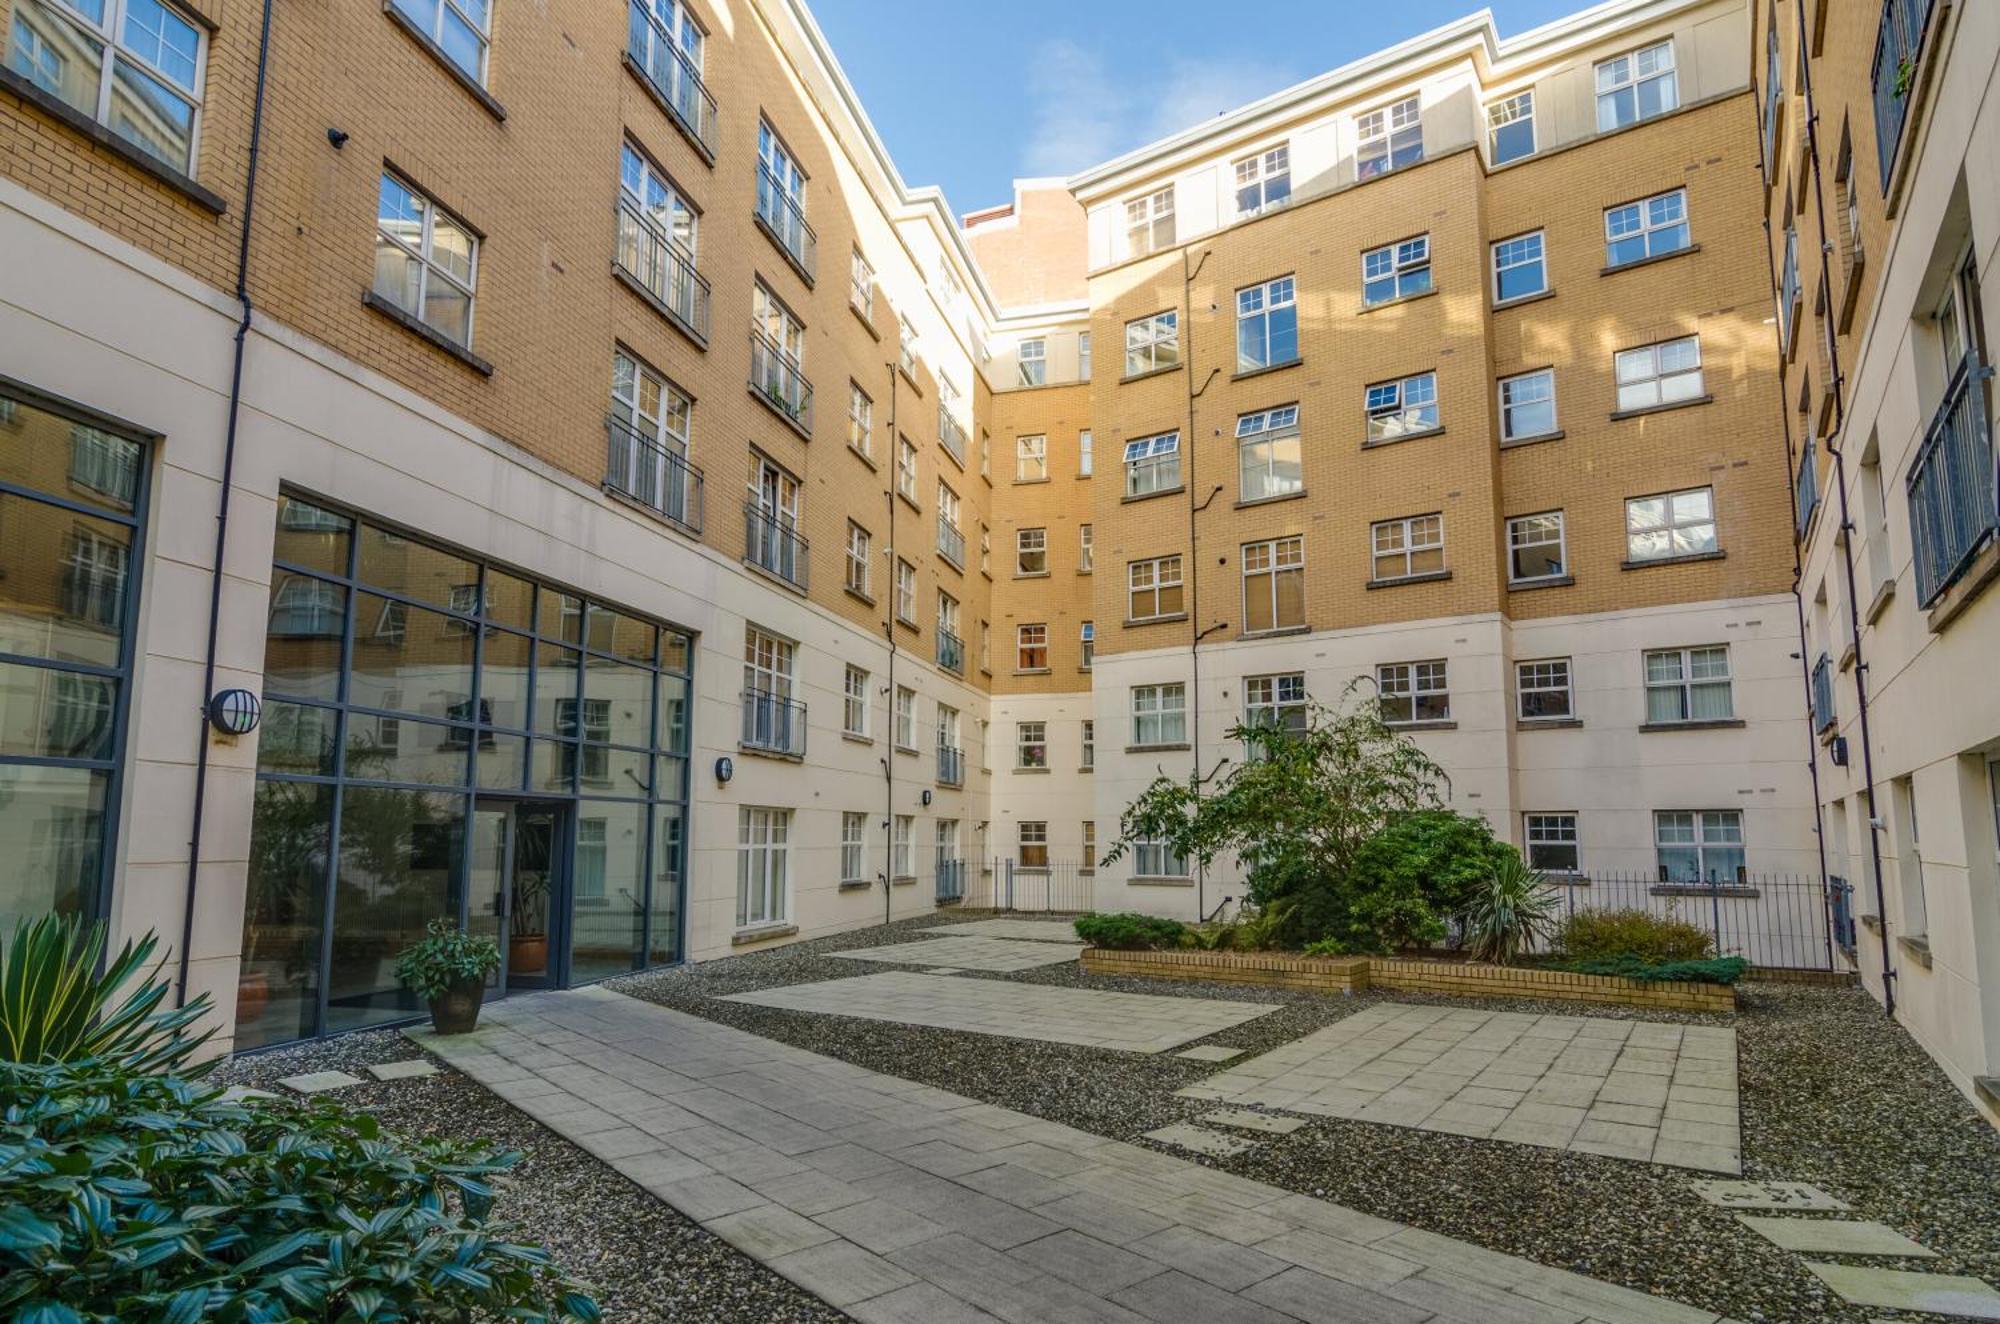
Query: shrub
135,1196
56,1005
1717,970
1509,913
445,958
1131,932
1590,935
1406,881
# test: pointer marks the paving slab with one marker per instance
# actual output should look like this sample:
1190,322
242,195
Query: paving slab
1245,1120
1954,1295
995,955
319,1082
1834,1236
1133,1022
1213,1143
1793,1195
407,1070
1028,930
938,1209
1209,1053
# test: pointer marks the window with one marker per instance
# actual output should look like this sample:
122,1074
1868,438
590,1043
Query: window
1031,459
1413,692
1155,859
1083,356
134,66
1159,715
906,592
1663,374
761,837
1153,465
1031,552
860,421
1031,652
1031,745
1671,524
1085,461
1088,761
1267,325
857,559
1510,128
768,713
777,349
1551,842
1403,408
902,848
1152,343
1636,86
1688,685
1274,585
657,229
1396,271
1089,864
1528,405
458,27
906,469
1518,268
1388,139
947,624
652,422
1699,846
1263,180
906,347
1087,638
1542,690
985,550
1535,548
1274,702
985,455
1268,455
1406,547
425,261
1650,227
665,41
861,286
1149,223
853,848
986,647
1034,361
781,197
906,718
1034,845
771,527
950,541
300,609
854,704
1154,589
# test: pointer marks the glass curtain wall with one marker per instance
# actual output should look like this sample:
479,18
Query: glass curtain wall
402,682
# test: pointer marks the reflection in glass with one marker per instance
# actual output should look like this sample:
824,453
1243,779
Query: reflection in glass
409,659
47,713
554,767
399,853
623,698
62,583
51,836
609,889
277,987
669,867
296,738
555,690
415,570
503,680
401,749
312,537
509,600
302,641
500,760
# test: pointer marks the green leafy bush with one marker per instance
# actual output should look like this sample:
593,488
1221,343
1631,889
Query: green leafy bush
1718,970
134,1196
445,958
1590,935
56,1005
1407,880
1509,913
1131,932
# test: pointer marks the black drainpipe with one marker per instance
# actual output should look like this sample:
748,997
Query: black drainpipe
889,629
222,504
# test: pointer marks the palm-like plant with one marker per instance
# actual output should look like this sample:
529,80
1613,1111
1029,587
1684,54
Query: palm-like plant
57,1005
1511,914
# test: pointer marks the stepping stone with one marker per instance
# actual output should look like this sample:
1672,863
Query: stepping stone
1244,1120
1183,1136
1833,1236
1899,1289
1210,1053
407,1070
319,1082
945,970
238,1093
1795,1195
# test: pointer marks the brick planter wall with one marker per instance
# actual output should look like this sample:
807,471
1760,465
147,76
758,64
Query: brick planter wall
1343,974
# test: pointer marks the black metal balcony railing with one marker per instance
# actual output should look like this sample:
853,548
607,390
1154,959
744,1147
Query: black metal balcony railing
780,213
778,382
951,766
951,543
1824,716
950,652
672,75
774,723
1952,484
666,269
1805,488
1899,39
951,435
643,469
951,880
769,543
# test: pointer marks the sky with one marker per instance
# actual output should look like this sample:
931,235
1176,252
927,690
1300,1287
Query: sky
971,96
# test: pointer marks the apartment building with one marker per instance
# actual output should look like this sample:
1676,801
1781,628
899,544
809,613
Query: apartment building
653,529
1884,214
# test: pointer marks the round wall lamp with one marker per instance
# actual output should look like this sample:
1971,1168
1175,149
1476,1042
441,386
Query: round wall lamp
927,797
725,768
234,712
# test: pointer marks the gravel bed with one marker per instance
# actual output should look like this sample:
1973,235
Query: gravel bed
1832,1093
642,1260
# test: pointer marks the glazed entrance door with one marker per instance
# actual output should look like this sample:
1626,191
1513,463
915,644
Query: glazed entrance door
520,858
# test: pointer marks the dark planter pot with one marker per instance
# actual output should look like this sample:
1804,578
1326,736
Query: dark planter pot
457,1011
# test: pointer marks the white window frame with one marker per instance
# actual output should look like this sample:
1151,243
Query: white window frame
1507,111
1658,375
1086,549
1031,553
1405,264
1547,676
1032,358
1676,531
1031,840
768,660
1261,313
1624,73
1155,569
1406,407
432,26
855,687
1149,222
1262,438
1087,641
1517,252
1153,465
1154,859
1031,458
1414,683
1263,180
109,36
1653,220
853,847
1700,667
428,266
763,885
906,469
859,558
1031,745
903,847
1404,540
1555,830
1524,391
1087,759
1717,830
906,592
906,346
906,719
1153,343
1266,565
651,436
1533,531
1086,459
1031,647
860,421
1159,715
1277,700
1384,138
1083,356
861,286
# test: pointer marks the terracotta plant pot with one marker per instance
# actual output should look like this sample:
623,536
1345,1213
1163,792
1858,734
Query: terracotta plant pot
253,994
458,1010
528,956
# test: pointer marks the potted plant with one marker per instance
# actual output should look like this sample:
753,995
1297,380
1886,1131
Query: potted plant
448,969
527,930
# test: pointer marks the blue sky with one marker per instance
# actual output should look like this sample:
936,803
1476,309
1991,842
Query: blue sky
971,95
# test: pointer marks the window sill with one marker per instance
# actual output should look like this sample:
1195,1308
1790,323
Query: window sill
1547,723
1509,443
674,116
867,322
1269,368
1132,623
208,200
1638,262
658,305
907,749
1131,377
1396,302
903,880
1880,602
764,398
1029,482
862,456
1716,555
1375,443
654,513
1159,880
855,737
1085,570
1434,577
761,933
445,62
1128,499
1031,772
761,752
1254,502
1713,724
1088,767
1704,889
1031,671
1445,724
1278,632
1520,299
854,884
859,596
1619,416
791,259
909,625
423,332
1031,574
1158,749
1530,585
908,373
1970,583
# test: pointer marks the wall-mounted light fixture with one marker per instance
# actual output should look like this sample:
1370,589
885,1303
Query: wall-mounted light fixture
234,712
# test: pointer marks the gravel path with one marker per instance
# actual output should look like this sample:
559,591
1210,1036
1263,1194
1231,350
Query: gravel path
643,1261
1832,1093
